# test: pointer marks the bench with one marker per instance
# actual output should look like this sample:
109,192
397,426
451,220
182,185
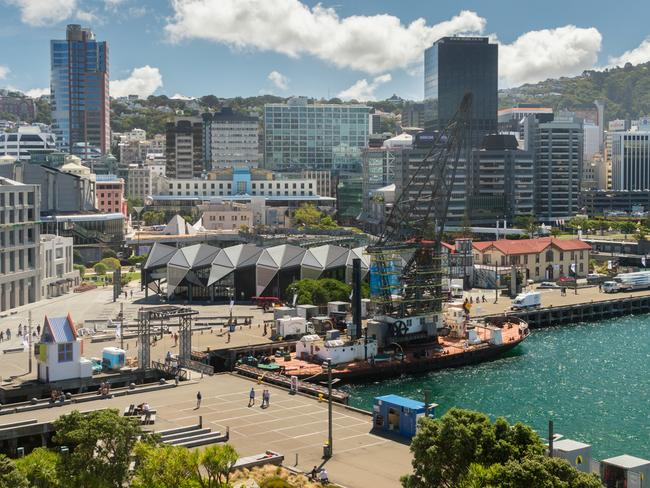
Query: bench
148,419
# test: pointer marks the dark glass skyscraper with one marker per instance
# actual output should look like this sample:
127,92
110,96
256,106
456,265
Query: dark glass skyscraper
454,66
79,91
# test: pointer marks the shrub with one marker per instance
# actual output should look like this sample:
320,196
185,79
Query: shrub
111,263
100,268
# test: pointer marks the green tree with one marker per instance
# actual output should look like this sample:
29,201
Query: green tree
308,215
319,292
528,223
10,476
111,263
165,466
109,253
217,462
529,472
627,227
444,449
152,217
81,268
556,231
100,268
100,446
40,467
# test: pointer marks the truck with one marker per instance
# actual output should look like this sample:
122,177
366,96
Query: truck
628,282
528,300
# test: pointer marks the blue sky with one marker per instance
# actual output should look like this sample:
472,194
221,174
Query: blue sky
365,49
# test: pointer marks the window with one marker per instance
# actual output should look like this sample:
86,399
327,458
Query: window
549,255
561,255
536,258
65,353
537,271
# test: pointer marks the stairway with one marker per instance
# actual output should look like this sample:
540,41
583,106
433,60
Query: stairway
191,436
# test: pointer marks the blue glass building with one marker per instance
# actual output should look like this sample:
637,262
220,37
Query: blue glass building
79,91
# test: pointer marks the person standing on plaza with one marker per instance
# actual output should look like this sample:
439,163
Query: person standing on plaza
251,397
198,400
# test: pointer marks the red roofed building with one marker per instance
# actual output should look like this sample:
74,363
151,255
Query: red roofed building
544,259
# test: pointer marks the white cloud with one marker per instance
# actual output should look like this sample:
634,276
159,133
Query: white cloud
548,53
4,71
372,44
179,96
85,16
279,80
44,12
364,90
37,92
638,55
143,82
113,3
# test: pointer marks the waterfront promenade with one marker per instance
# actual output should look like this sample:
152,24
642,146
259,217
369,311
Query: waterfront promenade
292,425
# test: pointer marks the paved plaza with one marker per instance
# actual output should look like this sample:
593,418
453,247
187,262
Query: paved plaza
292,425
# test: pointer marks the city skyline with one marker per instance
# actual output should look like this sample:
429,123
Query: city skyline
363,50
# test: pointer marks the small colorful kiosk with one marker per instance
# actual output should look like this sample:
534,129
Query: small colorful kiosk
399,415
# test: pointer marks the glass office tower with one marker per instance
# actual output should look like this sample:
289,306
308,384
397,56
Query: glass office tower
298,135
454,66
79,91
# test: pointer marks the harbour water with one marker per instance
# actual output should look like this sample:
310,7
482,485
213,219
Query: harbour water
592,379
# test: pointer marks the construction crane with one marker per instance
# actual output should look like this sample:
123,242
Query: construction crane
406,260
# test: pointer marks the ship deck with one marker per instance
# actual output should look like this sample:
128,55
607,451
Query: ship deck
446,347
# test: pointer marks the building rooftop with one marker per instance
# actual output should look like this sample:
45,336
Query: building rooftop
626,461
401,401
532,246
568,445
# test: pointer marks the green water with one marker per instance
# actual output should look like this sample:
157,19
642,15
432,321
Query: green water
592,379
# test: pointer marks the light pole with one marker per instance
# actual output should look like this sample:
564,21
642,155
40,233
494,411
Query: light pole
329,407
29,340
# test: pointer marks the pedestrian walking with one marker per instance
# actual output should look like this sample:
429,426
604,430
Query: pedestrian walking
38,329
251,397
263,405
268,398
198,400
131,294
8,333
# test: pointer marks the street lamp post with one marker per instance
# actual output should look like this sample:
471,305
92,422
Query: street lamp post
329,407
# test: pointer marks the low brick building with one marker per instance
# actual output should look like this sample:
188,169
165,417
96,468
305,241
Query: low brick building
543,259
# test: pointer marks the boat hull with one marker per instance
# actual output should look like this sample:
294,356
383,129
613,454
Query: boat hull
396,368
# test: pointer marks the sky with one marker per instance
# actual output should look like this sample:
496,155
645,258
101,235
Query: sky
361,49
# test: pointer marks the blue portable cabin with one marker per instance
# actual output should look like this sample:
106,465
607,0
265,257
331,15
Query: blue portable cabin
113,358
393,413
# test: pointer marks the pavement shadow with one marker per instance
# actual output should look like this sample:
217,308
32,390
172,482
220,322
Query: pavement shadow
391,436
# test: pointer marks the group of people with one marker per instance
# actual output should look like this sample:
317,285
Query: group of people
6,334
266,398
57,396
104,389
319,475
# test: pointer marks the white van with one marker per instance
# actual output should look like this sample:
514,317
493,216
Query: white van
524,301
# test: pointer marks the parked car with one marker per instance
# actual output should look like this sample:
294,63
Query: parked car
548,284
566,280
595,278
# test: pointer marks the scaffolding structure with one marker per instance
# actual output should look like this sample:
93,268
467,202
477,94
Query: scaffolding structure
406,260
148,317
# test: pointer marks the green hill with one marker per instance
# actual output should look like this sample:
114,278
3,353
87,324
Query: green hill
625,91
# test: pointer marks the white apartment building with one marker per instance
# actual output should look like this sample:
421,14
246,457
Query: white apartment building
19,243
230,140
57,274
19,144
145,180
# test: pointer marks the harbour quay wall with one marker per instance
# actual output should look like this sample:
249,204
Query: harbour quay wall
581,312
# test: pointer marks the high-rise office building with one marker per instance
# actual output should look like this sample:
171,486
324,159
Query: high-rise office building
557,149
184,148
454,66
300,135
501,181
230,140
631,160
79,84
